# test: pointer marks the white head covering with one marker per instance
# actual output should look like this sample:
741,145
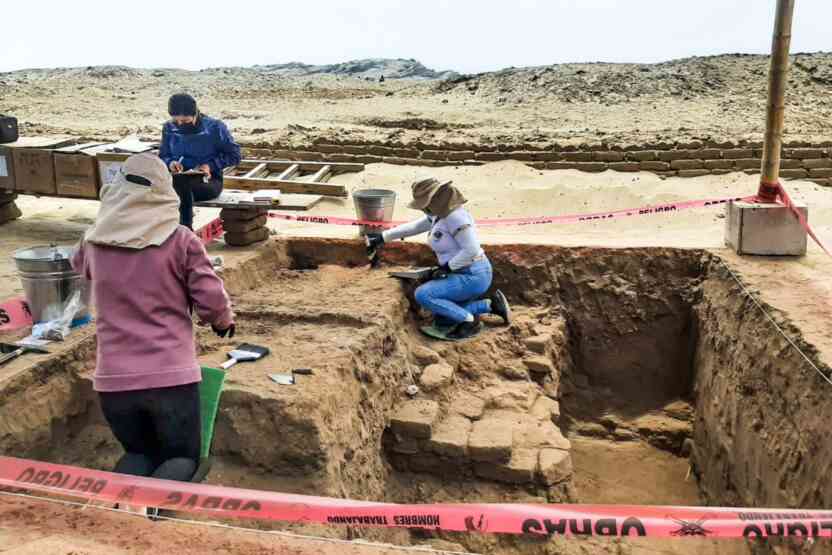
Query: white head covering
139,208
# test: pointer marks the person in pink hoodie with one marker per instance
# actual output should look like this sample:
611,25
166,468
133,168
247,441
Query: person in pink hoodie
148,274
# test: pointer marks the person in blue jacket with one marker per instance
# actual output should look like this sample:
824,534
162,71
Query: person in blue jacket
199,145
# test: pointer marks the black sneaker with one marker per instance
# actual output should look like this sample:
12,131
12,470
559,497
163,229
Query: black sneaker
465,330
500,307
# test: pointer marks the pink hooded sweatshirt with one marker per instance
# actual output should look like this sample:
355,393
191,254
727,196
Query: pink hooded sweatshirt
142,298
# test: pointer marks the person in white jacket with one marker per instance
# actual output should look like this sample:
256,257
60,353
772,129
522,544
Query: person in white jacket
454,292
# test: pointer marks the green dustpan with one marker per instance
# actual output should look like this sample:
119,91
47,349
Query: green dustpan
210,390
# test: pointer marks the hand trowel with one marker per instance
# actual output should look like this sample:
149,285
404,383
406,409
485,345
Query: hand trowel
245,353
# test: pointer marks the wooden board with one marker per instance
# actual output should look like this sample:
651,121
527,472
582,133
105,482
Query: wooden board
272,165
286,186
287,202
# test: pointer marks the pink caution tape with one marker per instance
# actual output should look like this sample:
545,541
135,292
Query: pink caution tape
210,231
532,520
14,315
787,201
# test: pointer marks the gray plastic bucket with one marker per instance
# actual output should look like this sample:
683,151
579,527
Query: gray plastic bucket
49,282
375,205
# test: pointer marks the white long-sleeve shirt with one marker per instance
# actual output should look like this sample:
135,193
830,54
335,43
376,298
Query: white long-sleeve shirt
453,238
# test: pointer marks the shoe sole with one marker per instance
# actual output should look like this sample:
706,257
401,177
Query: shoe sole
503,301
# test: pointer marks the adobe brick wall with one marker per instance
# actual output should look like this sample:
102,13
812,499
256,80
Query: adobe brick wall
800,160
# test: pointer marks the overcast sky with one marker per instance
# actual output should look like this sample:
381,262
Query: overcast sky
464,35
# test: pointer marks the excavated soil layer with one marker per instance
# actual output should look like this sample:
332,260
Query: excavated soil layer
627,376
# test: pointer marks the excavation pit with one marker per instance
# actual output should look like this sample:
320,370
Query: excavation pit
633,376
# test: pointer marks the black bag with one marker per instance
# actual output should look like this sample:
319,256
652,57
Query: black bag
8,129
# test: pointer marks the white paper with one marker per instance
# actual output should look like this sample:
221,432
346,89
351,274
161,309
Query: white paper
4,170
109,171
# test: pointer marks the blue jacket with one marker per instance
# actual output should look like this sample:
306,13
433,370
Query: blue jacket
211,144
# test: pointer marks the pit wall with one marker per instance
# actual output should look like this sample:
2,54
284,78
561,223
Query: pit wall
762,413
800,160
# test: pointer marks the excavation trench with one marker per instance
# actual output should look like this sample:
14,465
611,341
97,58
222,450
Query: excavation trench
635,376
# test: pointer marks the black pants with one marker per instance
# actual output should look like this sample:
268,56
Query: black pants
190,189
160,430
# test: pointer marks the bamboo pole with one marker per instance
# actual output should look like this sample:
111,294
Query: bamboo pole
777,80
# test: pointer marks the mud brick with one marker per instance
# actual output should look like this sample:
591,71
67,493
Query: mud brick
314,156
404,152
539,365
522,155
402,161
415,419
9,211
692,145
244,226
548,156
721,172
405,446
816,163
541,434
748,164
338,158
654,166
435,154
492,156
538,343
643,155
738,153
367,159
624,166
561,165
436,375
468,406
355,149
577,156
450,438
424,462
823,182
608,156
790,164
805,153
378,150
670,155
461,155
473,163
751,172
687,164
589,166
819,172
491,441
242,214
537,165
520,469
555,466
248,238
798,174
693,173
719,164
709,154
329,149
546,409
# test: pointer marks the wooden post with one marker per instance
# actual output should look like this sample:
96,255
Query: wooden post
777,79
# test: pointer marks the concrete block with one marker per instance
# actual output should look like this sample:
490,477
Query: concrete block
491,441
555,466
415,419
520,469
436,376
765,229
450,438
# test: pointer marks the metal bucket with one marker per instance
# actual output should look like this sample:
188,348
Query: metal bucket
49,282
375,205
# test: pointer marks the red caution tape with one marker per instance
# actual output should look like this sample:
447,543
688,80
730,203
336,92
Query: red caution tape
787,201
532,520
210,231
14,315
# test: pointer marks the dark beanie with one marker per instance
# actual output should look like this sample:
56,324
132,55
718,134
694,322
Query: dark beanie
182,105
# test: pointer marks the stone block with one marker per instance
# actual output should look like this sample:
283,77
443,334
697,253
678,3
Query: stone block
738,153
577,156
541,434
415,419
624,166
555,466
765,229
642,155
546,409
687,164
693,173
436,376
654,166
538,343
247,238
795,174
491,441
514,396
815,163
468,406
520,469
539,365
719,164
821,172
425,356
450,438
748,164
609,156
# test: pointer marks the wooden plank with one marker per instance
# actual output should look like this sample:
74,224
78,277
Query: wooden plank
258,171
322,175
275,165
289,172
286,186
298,202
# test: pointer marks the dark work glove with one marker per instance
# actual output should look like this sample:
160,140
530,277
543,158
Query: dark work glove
441,272
229,331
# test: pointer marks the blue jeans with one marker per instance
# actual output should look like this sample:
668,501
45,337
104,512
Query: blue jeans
455,297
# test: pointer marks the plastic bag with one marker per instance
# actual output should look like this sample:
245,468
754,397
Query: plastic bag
59,319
